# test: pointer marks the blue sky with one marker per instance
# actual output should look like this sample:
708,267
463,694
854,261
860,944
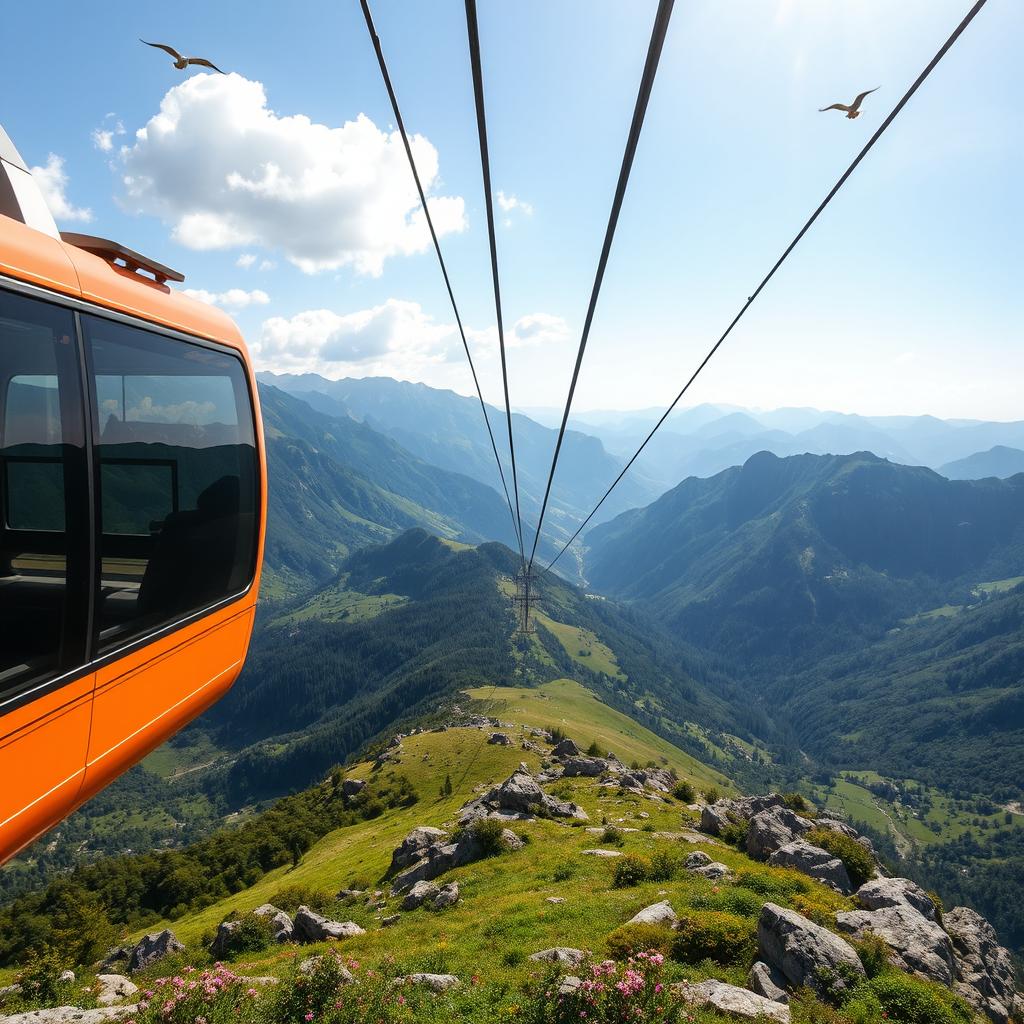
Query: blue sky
905,297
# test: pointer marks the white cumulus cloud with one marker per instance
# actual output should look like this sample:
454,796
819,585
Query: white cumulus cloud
225,170
530,331
103,138
233,298
53,182
510,203
246,260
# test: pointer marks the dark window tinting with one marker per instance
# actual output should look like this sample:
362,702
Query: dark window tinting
177,477
44,541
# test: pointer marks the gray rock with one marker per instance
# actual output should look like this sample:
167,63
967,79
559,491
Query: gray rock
588,767
555,899
284,927
113,988
984,968
656,913
697,859
441,858
569,985
566,748
115,955
389,922
313,927
67,977
715,817
71,1015
713,871
414,846
918,945
560,955
805,953
308,966
219,946
151,948
601,853
435,982
448,896
732,1001
352,787
881,893
420,893
499,739
768,982
771,829
814,862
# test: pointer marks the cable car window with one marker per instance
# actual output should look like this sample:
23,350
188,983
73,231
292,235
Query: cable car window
43,488
177,478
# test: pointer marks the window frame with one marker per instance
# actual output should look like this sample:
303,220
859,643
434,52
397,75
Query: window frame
16,698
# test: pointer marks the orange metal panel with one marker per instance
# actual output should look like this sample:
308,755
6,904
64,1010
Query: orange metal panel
42,763
146,697
31,256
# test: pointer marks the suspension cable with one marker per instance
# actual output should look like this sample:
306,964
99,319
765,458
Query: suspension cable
658,33
969,17
516,527
485,166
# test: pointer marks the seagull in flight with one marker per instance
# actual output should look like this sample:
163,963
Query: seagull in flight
181,62
853,109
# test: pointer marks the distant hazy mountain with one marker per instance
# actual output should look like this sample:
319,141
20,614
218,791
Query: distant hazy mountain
447,430
785,557
1000,461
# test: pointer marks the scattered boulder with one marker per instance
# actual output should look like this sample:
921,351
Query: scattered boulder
732,1001
814,862
588,767
519,796
151,948
352,787
714,818
771,829
284,928
499,739
805,953
555,899
313,927
221,941
448,896
113,988
67,977
656,913
435,982
566,748
414,847
114,956
345,976
420,893
570,984
601,853
984,968
442,857
768,982
560,955
905,918
389,922
697,859
71,1015
713,871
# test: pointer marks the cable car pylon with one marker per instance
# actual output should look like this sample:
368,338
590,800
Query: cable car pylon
524,600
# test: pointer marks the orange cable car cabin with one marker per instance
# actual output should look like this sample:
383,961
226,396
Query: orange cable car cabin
132,509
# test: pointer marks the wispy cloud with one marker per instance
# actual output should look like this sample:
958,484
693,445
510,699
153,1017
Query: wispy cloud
233,298
53,182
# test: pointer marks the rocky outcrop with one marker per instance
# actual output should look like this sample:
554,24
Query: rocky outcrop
435,982
71,1015
731,1001
343,974
588,767
519,796
283,926
414,847
805,953
447,896
697,859
656,913
441,856
814,862
771,829
984,968
113,988
768,982
566,748
420,893
352,787
906,920
499,739
714,818
220,947
713,871
560,955
151,948
313,927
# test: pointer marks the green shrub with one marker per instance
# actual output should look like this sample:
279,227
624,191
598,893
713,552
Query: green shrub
488,833
40,982
291,897
513,957
666,863
859,864
725,938
639,938
594,750
796,801
902,999
938,904
564,871
735,833
684,791
731,899
612,836
631,870
874,954
777,888
557,734
253,934
711,794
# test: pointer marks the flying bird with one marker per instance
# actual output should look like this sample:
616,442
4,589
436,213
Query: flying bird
181,62
852,109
